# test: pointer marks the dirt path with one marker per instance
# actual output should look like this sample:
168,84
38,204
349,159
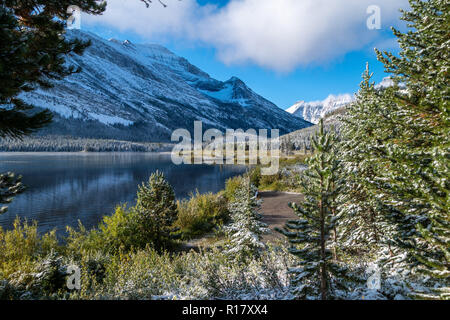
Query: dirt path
275,210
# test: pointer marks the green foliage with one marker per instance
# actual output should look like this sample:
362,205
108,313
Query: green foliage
116,232
82,240
397,147
272,183
417,157
231,186
156,211
313,236
363,226
21,247
200,214
294,160
255,176
119,229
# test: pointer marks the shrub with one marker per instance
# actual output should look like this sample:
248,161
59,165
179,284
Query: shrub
83,240
150,222
147,274
255,176
297,159
231,186
115,232
22,246
50,276
273,182
201,214
45,280
121,230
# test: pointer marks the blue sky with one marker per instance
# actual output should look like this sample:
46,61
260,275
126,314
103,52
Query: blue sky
286,58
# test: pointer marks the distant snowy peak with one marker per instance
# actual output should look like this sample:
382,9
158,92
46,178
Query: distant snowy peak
314,111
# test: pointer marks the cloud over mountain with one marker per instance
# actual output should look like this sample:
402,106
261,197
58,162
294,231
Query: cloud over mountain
276,34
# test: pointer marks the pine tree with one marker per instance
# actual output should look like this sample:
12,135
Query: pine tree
416,176
156,211
246,229
397,145
10,186
32,52
318,272
362,227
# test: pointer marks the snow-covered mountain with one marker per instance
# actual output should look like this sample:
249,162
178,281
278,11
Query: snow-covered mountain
314,111
144,92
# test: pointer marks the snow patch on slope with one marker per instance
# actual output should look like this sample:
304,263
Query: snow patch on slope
110,119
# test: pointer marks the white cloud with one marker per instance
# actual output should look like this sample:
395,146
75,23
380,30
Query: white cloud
276,34
152,22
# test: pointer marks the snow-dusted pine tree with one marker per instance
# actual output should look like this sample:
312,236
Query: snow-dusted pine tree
362,226
318,273
246,229
416,175
397,146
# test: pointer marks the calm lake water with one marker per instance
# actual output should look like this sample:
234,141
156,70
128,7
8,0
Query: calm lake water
63,188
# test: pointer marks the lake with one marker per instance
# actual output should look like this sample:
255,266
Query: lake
63,188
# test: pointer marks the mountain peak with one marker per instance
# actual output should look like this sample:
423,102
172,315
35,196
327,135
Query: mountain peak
235,79
315,110
142,92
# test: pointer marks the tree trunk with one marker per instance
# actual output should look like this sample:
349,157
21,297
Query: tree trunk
323,271
374,225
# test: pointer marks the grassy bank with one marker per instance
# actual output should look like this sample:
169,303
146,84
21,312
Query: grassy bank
287,177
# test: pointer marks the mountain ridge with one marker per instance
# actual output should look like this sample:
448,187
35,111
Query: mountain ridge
316,110
143,92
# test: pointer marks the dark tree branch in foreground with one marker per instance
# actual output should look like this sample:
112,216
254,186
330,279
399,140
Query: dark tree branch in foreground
10,186
148,2
32,53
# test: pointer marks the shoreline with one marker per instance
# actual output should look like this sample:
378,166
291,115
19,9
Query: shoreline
84,152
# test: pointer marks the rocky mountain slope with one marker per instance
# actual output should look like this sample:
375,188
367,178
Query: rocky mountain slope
143,92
